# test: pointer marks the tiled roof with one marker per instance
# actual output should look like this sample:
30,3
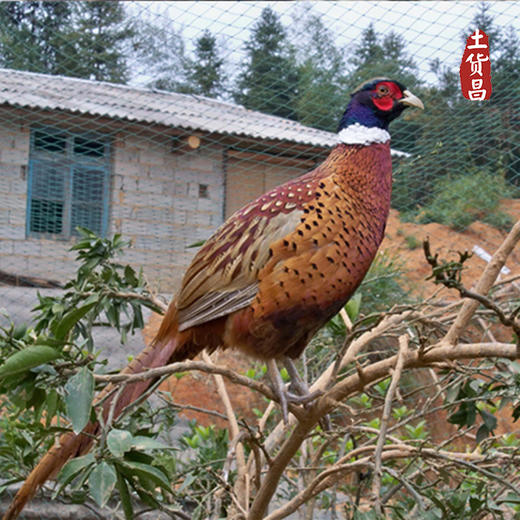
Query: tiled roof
96,98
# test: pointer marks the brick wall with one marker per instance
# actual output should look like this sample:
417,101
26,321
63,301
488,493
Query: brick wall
154,202
18,255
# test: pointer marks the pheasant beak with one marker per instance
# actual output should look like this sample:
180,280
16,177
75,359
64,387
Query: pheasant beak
411,100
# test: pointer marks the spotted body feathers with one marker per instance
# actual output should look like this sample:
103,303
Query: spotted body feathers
288,261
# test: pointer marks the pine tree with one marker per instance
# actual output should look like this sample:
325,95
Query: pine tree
159,55
81,39
269,79
204,72
31,34
382,56
321,86
99,42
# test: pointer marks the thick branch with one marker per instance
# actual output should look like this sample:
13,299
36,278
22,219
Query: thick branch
329,477
355,383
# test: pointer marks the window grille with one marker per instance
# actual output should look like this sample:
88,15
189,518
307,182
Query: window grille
68,183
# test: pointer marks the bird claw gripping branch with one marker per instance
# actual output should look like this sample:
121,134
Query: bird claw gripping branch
279,268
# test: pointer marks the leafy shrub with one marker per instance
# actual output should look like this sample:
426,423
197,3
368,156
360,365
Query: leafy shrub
460,200
412,242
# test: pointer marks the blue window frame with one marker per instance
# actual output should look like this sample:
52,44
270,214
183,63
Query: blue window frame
68,184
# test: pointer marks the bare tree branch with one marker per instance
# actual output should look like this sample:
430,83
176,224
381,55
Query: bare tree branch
396,376
486,281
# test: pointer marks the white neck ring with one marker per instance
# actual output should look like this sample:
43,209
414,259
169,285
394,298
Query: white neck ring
360,134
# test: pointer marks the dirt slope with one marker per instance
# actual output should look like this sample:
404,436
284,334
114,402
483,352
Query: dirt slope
446,242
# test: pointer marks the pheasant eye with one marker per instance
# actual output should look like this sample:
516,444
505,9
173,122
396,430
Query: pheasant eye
382,89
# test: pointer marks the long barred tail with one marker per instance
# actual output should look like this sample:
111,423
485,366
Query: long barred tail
166,348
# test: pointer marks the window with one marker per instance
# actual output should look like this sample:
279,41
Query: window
203,191
68,183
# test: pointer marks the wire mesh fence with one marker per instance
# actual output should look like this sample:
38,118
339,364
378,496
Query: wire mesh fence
152,141
157,120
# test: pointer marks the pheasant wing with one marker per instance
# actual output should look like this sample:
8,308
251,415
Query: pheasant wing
223,276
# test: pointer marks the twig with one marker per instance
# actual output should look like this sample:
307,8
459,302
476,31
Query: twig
185,366
235,445
346,319
491,305
407,485
390,452
108,423
486,281
396,376
193,408
144,298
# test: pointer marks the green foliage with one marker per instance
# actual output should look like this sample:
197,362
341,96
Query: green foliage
160,53
269,78
384,285
200,472
321,66
204,72
412,242
79,393
384,56
46,371
79,39
173,68
460,200
31,34
46,376
96,47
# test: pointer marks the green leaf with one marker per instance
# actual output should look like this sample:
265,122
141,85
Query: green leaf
28,358
489,419
284,374
73,467
124,494
147,498
78,399
353,305
147,443
196,244
119,442
130,276
145,471
101,482
65,325
482,433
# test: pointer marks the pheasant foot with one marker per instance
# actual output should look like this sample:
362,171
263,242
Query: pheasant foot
285,397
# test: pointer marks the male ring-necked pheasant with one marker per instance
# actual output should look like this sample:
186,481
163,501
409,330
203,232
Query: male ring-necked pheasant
278,268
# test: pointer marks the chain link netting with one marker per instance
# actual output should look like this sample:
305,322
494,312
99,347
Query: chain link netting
165,170
158,120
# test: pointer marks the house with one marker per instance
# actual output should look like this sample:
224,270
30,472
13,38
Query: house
161,168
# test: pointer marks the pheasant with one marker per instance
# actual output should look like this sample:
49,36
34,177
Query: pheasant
278,269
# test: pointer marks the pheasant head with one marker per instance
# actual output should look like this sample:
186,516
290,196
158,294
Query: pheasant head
376,102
